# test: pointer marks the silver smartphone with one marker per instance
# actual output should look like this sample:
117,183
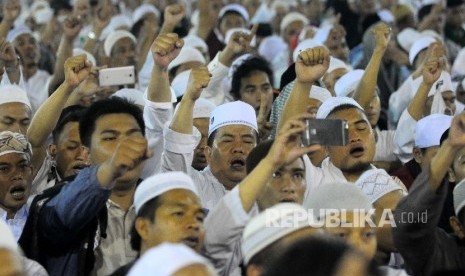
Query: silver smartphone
326,132
117,76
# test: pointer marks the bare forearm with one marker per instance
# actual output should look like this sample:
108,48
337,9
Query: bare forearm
5,27
183,118
365,90
64,51
416,108
159,86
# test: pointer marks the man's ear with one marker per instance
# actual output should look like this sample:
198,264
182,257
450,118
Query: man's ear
142,228
208,154
52,150
417,155
254,270
451,175
457,227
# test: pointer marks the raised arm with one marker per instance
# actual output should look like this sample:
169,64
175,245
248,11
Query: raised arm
11,11
71,28
101,20
76,69
310,67
366,89
207,19
172,15
10,60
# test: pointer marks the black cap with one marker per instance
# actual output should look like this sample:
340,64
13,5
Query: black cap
454,3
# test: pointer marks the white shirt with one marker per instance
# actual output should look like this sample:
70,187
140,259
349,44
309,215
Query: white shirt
17,223
37,89
404,139
385,145
214,91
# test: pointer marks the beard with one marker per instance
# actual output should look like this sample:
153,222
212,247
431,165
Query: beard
357,168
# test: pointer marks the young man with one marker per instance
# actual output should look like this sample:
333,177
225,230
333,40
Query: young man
98,202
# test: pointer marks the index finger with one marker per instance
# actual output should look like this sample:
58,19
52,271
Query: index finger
253,32
263,107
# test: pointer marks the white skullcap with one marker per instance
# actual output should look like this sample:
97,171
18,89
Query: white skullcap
235,8
203,108
13,94
133,95
428,130
348,83
332,103
179,83
233,113
117,22
90,57
262,15
335,63
458,68
376,183
433,34
271,46
195,42
459,197
17,31
339,196
8,241
230,32
418,46
407,37
166,259
271,225
144,9
443,84
292,17
386,16
41,11
323,33
308,43
161,183
113,37
319,93
187,54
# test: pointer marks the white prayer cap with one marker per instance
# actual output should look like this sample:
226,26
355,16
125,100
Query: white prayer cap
235,8
166,259
233,113
335,63
308,43
433,34
17,31
386,16
319,93
195,42
41,11
292,17
133,95
418,46
203,108
262,15
428,130
459,197
332,103
407,37
339,196
187,54
90,57
113,37
322,34
376,183
8,241
443,84
270,226
230,32
13,94
156,185
179,83
271,46
348,83
144,9
458,68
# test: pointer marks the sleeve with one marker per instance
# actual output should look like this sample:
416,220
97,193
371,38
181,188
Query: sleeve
69,211
156,115
416,236
399,100
214,91
179,150
404,137
223,232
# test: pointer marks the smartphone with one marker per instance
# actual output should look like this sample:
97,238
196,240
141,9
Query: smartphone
117,76
326,132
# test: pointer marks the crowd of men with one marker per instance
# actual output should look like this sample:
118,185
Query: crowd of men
198,165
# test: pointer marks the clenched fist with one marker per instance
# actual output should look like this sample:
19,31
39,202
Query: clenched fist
312,64
198,80
165,48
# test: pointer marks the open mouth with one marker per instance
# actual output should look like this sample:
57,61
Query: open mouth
238,164
78,167
192,241
357,151
18,192
288,200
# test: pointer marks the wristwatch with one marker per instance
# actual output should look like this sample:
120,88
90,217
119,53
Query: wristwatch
92,35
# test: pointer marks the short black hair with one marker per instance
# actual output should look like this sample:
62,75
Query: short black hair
257,154
250,64
424,11
344,107
69,114
113,105
147,211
